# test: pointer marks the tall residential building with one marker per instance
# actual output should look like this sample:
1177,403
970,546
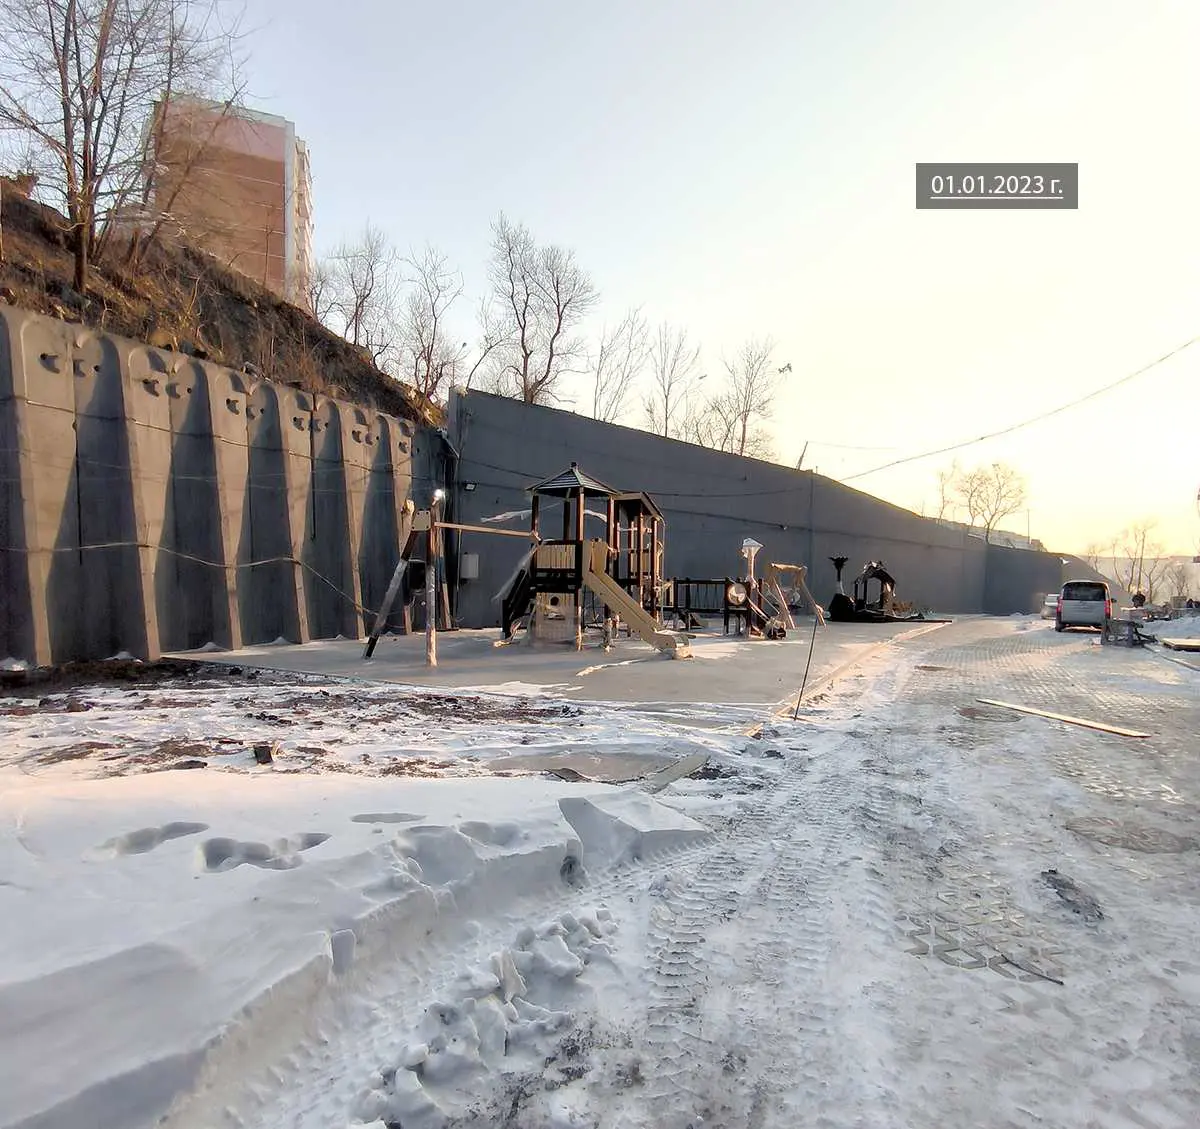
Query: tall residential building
237,184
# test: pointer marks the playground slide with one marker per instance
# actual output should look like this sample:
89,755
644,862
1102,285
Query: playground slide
669,642
516,602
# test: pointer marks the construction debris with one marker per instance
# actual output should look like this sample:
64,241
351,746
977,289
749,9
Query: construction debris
1097,725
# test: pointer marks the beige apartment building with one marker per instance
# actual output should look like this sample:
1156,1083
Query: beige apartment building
237,183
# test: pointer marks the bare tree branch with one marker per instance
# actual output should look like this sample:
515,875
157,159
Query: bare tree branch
750,396
494,337
1178,578
620,357
946,480
79,80
364,295
543,295
320,291
1142,565
674,380
429,358
989,494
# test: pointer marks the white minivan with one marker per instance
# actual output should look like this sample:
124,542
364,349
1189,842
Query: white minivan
1083,603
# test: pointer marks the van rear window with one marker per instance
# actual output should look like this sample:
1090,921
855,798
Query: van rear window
1089,592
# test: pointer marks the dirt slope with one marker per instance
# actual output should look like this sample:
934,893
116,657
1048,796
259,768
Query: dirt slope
182,298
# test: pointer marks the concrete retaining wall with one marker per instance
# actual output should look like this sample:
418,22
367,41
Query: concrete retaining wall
152,502
712,501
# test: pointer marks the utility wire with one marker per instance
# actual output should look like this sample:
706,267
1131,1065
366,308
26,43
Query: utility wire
234,566
1024,423
895,462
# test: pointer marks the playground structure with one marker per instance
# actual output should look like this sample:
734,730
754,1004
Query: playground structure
760,607
885,608
563,586
432,564
622,570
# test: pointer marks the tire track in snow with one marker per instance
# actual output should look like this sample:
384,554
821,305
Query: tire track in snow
743,1014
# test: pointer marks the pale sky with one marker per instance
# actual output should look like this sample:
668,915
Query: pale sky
748,170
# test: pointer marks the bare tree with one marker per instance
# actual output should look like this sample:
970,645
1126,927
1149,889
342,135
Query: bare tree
428,352
544,296
364,295
1093,555
708,423
431,356
989,494
1179,579
79,80
946,480
320,291
674,379
749,397
1142,565
618,363
492,340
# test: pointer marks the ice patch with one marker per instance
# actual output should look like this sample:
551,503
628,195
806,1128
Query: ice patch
521,689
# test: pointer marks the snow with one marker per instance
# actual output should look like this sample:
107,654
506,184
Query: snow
190,905
13,665
904,909
323,725
1186,626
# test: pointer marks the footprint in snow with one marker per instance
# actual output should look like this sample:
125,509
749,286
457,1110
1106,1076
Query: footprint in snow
219,855
146,839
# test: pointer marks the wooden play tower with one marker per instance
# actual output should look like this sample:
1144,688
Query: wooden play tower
624,568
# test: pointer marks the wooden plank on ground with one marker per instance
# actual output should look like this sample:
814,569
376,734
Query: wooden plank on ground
1098,725
1181,644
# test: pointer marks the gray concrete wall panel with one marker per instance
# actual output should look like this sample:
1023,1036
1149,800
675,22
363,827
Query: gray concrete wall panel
712,501
151,501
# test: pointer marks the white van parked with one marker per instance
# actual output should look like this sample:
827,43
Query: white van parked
1083,603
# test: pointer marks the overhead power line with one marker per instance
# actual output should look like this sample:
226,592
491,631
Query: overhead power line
1024,423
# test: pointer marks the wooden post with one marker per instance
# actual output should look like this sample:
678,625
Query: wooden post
431,545
580,507
641,560
654,609
612,560
389,597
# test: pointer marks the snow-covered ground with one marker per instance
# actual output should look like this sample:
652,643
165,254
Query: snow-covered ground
1185,626
906,909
